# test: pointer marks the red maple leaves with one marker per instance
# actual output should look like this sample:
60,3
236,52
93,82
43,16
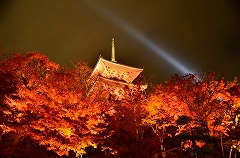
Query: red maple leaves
48,103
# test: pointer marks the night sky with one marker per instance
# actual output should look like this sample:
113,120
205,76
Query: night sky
199,34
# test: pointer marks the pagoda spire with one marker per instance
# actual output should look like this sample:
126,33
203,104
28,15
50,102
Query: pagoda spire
113,51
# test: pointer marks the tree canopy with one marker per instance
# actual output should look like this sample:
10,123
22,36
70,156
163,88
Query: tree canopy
46,104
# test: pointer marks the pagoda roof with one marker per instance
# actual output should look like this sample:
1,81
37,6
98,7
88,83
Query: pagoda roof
113,70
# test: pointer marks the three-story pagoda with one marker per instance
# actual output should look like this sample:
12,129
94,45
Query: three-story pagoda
114,80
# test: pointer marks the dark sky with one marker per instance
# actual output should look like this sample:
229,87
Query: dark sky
200,34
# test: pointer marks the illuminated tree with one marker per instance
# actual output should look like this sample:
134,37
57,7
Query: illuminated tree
82,71
231,118
163,109
17,72
127,138
194,105
49,105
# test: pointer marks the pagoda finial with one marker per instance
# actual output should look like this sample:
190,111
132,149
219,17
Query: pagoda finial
113,51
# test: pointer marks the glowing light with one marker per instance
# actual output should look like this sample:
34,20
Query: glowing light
141,38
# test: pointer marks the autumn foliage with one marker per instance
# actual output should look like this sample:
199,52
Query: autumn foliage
46,104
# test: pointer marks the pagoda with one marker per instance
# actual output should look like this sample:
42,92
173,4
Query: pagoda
114,80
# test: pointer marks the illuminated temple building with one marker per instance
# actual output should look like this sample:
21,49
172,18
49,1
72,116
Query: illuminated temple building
114,80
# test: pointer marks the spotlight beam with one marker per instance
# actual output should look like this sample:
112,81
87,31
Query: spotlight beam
140,37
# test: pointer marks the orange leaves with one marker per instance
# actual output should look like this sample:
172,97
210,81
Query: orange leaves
50,103
82,73
164,105
209,105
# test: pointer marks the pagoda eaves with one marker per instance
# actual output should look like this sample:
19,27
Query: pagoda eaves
113,70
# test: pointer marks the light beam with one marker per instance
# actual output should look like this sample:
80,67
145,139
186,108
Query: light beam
141,38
